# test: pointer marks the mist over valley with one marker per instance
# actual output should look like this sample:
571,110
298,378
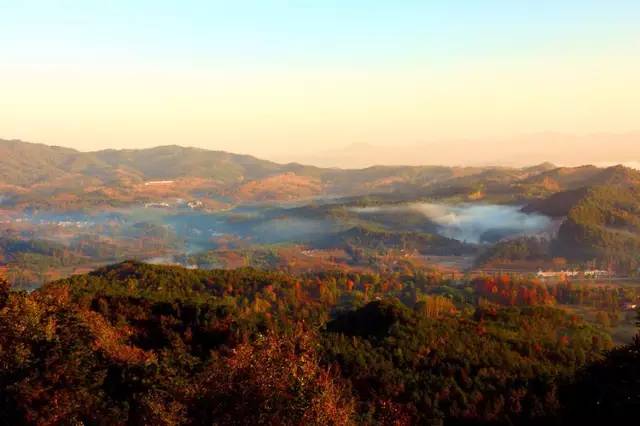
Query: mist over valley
187,206
473,223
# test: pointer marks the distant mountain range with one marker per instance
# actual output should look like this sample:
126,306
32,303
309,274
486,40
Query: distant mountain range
26,164
29,172
56,177
599,207
602,149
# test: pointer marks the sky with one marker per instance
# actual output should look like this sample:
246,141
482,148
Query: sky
292,80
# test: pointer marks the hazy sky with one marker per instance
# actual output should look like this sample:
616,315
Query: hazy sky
272,78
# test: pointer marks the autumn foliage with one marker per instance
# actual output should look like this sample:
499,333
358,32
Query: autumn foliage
134,344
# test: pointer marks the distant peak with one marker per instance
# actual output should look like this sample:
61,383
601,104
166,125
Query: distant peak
543,166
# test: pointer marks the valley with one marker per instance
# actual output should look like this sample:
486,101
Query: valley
457,224
66,212
310,213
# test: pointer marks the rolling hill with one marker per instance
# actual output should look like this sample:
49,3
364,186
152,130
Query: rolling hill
602,217
30,172
36,174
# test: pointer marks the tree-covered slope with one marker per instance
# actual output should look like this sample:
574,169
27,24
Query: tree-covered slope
136,344
603,225
35,172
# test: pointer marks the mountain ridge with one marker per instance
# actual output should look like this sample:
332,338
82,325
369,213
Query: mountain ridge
38,173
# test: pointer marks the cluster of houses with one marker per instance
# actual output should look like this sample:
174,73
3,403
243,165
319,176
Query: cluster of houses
61,223
590,273
195,204
157,205
158,182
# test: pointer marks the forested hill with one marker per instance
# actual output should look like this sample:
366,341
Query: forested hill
135,344
25,163
570,192
602,219
47,176
605,225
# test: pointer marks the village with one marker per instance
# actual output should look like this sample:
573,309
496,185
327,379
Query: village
565,274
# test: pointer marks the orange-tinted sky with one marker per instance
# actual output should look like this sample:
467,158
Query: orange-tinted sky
287,80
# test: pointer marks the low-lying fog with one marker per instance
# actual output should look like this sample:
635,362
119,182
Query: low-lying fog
190,231
473,223
197,230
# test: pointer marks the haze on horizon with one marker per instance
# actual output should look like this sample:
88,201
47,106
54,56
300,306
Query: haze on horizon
334,84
